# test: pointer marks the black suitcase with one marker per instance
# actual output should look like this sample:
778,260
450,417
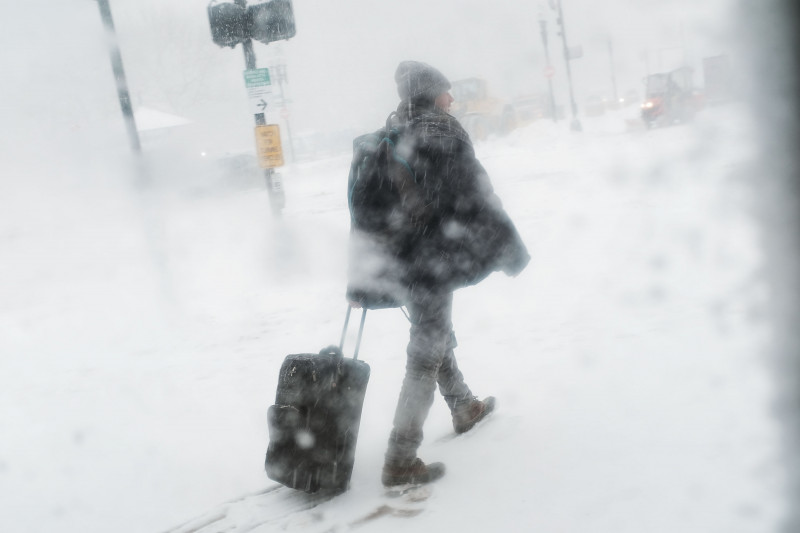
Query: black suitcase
313,426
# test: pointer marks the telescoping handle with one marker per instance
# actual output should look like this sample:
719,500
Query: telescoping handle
360,330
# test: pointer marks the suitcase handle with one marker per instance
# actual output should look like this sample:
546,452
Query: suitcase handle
360,330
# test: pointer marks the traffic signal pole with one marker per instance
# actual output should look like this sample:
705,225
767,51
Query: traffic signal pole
277,199
234,23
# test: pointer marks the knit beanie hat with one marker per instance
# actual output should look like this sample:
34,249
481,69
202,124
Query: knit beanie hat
417,81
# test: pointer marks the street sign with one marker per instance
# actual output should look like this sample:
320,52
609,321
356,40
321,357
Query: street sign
259,89
268,146
549,71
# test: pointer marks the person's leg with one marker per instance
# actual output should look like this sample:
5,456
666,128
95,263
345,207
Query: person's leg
430,361
430,334
451,380
465,407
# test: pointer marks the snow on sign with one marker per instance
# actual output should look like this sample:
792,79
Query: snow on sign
259,88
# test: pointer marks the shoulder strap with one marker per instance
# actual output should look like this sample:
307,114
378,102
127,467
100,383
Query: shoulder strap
392,121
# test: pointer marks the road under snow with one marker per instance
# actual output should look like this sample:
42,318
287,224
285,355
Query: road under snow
141,334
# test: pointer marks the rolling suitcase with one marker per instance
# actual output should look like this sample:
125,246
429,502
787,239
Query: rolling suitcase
313,426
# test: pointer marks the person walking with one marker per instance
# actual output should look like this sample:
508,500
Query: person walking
448,231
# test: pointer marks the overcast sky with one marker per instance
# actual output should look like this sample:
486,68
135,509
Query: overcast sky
347,51
342,60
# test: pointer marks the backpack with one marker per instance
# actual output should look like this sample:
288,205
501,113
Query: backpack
383,193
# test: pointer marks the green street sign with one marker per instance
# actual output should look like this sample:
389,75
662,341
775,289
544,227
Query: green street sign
259,89
256,77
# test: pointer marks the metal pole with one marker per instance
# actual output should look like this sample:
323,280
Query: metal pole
119,76
250,64
276,197
543,27
575,125
282,78
291,141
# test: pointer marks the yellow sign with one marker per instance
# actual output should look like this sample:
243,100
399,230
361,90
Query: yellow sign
268,146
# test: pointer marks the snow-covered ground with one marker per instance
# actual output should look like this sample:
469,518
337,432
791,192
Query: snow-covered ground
141,334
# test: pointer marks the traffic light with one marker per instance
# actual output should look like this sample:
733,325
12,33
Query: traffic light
235,22
271,21
228,23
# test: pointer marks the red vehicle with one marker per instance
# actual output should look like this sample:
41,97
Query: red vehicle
669,98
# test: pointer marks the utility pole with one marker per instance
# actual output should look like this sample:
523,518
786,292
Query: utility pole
119,75
575,125
548,69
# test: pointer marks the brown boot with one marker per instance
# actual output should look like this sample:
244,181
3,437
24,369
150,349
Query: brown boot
414,474
465,418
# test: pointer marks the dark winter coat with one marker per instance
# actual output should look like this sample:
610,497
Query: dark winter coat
450,229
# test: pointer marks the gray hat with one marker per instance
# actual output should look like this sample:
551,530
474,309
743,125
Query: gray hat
419,81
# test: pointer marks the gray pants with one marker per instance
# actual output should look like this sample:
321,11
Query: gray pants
431,361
